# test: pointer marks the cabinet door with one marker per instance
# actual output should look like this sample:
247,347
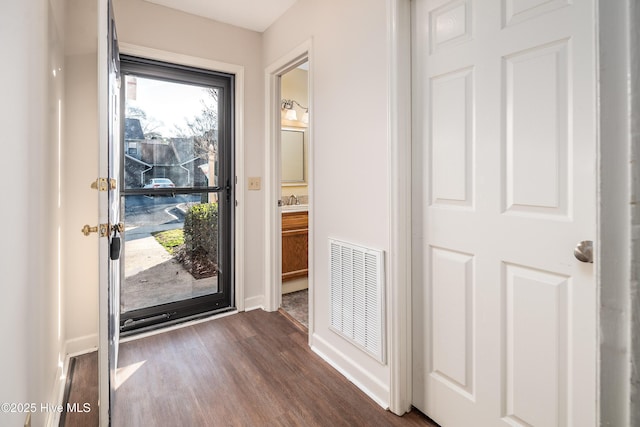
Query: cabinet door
294,245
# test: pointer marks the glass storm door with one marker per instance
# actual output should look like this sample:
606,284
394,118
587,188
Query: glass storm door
177,182
109,210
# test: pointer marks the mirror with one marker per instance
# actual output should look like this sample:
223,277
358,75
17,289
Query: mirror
292,147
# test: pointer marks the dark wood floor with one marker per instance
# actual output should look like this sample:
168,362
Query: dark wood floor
83,391
248,369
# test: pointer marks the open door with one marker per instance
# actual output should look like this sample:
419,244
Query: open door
504,193
109,205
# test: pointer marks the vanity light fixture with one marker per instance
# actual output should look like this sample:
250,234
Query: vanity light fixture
290,112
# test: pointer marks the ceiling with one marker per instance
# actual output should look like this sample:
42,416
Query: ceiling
256,15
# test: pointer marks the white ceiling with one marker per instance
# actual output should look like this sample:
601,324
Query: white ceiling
256,15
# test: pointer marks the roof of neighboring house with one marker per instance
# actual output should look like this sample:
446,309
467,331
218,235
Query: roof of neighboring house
133,130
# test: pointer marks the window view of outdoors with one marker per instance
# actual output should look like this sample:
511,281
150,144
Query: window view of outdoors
171,234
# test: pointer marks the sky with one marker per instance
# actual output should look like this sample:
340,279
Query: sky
166,103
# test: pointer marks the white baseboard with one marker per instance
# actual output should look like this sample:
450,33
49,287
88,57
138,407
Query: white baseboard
70,348
59,382
82,345
371,386
254,303
53,417
295,285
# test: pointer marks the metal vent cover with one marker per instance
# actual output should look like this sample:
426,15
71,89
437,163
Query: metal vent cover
357,296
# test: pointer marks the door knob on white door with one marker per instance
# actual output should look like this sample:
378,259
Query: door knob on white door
584,251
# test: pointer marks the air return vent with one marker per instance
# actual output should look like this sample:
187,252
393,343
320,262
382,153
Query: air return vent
357,296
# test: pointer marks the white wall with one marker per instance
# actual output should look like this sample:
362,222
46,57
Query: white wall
31,285
349,80
81,156
80,253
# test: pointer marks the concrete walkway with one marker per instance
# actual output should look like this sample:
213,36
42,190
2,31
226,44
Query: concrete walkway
153,276
142,250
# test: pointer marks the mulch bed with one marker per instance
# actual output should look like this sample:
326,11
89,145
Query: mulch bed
197,263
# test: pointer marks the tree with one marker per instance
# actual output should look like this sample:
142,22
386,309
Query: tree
204,127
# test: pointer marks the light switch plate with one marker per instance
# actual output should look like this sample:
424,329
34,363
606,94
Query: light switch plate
254,183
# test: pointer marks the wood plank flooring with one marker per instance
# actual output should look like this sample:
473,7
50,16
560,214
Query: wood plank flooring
248,369
84,390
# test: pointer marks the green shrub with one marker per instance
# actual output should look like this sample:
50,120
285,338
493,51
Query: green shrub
201,233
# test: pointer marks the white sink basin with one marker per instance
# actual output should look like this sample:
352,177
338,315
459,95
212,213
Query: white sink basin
295,208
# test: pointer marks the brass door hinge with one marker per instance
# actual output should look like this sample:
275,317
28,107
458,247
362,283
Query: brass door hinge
104,184
102,229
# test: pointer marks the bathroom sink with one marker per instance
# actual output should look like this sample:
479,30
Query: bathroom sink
295,208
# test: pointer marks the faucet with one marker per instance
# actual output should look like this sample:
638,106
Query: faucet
293,198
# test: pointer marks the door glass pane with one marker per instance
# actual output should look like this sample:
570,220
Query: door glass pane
171,249
170,134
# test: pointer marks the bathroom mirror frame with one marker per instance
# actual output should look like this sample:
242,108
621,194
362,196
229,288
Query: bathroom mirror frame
292,142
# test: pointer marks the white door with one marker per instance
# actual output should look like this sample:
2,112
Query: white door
109,166
504,188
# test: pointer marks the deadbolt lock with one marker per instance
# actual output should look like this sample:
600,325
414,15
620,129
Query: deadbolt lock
103,229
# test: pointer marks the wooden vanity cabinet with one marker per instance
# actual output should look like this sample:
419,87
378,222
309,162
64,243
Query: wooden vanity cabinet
295,245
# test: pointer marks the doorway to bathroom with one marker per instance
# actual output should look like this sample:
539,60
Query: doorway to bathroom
294,192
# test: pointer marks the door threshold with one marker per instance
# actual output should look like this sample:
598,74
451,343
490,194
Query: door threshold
176,324
293,320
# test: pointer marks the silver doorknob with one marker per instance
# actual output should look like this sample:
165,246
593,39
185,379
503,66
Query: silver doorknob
584,251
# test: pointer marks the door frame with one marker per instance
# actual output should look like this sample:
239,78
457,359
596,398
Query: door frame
238,71
273,222
399,107
617,274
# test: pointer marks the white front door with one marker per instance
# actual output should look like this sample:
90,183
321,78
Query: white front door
504,188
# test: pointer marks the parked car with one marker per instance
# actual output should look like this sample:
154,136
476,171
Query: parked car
160,183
